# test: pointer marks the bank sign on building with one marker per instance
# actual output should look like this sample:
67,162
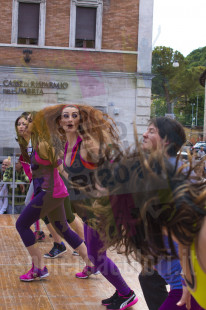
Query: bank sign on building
96,52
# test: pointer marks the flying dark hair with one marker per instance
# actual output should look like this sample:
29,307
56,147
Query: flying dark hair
146,198
172,131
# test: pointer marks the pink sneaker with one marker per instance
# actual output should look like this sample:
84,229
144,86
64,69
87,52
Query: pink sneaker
34,273
86,272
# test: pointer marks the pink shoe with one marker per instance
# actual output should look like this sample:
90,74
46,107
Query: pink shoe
34,273
86,272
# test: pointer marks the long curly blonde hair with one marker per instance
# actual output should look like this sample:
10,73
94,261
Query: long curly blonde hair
94,124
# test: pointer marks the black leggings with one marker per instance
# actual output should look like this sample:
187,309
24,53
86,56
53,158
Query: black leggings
153,288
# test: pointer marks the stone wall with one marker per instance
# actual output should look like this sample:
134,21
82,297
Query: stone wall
27,90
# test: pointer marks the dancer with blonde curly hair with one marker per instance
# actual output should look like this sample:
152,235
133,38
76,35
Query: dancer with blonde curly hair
91,138
49,195
24,140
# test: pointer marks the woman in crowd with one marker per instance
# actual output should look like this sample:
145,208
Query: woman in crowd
3,187
49,195
199,170
91,137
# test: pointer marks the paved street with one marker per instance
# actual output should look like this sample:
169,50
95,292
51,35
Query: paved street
60,291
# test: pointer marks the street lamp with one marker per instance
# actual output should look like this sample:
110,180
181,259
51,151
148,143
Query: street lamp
175,64
192,104
197,111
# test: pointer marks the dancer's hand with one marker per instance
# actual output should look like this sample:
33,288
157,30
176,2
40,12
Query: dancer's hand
62,171
101,191
185,299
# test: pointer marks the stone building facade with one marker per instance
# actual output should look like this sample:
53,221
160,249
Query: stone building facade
96,52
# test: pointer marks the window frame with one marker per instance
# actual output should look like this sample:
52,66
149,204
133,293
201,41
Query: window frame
42,21
87,15
98,4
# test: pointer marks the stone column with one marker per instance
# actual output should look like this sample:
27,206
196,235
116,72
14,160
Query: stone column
144,63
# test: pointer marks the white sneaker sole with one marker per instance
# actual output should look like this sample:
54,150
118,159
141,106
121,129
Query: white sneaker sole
86,277
82,277
45,255
36,279
74,253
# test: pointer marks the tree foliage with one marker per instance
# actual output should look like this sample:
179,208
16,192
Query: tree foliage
163,70
176,88
186,82
197,58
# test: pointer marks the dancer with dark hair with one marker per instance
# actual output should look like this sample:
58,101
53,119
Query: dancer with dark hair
166,208
91,137
49,195
24,140
169,134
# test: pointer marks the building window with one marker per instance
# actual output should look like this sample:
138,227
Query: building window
86,23
28,23
85,27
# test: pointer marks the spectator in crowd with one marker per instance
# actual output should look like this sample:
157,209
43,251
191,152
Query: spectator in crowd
201,152
199,170
3,187
5,164
3,198
205,169
20,190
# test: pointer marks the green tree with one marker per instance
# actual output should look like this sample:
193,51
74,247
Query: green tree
163,59
178,87
158,107
197,58
185,83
